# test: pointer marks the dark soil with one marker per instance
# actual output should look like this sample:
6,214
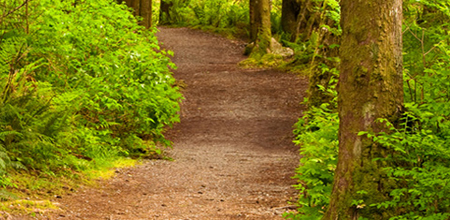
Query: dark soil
233,152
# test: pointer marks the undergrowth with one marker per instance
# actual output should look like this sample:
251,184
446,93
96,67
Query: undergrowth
82,85
420,145
228,17
317,136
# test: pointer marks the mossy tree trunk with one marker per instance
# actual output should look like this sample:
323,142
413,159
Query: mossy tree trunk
370,87
136,5
253,20
128,2
142,8
290,10
260,27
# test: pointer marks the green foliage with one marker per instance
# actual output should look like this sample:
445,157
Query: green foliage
421,144
275,17
218,15
319,43
178,11
80,83
317,135
317,132
419,162
421,168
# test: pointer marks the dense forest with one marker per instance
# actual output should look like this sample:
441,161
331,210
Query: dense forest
85,83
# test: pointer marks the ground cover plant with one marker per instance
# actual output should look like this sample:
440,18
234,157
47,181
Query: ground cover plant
81,85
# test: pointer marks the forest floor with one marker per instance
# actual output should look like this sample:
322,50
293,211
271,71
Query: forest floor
233,156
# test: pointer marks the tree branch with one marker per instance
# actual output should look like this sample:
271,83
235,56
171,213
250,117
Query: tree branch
14,10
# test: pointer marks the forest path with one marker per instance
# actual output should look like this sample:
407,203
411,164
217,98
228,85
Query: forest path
233,152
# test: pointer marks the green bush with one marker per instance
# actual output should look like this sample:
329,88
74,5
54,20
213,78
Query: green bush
317,138
80,81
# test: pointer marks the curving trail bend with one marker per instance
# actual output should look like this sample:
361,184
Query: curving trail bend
233,154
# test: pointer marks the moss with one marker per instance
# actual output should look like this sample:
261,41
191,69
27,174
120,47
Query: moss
30,207
248,49
263,61
373,180
107,172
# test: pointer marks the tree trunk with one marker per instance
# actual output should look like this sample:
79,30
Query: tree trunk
290,11
164,12
308,18
260,27
128,2
370,87
136,5
146,13
255,20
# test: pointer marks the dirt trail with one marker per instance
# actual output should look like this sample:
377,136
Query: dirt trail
233,156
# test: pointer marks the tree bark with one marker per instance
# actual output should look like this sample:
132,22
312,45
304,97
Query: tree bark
136,5
325,54
146,13
290,10
260,26
307,19
255,19
129,3
370,87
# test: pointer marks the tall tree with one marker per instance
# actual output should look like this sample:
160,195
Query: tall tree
260,26
290,11
370,87
146,13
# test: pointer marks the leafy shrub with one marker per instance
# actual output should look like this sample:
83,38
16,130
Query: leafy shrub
317,138
81,81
